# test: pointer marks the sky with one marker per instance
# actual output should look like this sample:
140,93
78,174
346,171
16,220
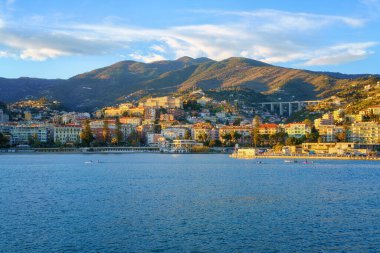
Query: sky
62,38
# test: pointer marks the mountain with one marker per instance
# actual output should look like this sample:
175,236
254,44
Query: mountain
132,80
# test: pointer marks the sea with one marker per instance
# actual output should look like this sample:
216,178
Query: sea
144,202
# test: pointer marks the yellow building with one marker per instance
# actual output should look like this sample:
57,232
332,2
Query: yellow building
245,153
163,102
297,129
269,129
329,132
332,148
365,132
375,110
199,130
111,112
136,121
27,116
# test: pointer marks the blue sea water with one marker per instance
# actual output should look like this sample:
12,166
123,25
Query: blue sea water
186,203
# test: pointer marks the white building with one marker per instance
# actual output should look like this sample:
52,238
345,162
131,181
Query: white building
173,133
67,134
23,134
3,116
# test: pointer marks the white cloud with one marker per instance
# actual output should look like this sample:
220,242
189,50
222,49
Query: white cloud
158,48
267,35
10,2
277,20
147,58
342,53
4,54
40,54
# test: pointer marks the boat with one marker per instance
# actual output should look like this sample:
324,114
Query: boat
290,161
88,162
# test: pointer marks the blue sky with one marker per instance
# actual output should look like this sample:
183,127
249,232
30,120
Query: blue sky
62,38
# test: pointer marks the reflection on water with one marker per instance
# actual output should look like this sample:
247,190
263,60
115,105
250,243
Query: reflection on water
184,203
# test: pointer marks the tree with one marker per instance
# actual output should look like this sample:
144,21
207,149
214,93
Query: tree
133,139
313,135
215,143
86,135
203,137
226,139
237,122
256,131
3,140
235,136
291,141
119,133
106,132
278,138
308,123
187,135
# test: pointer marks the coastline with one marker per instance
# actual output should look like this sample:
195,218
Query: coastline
308,157
144,150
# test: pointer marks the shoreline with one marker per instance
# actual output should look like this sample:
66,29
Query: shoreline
300,157
286,157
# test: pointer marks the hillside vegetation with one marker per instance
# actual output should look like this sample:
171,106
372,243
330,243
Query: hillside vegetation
131,79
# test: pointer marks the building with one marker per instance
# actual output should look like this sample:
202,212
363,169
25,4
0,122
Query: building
3,116
328,133
365,132
201,131
245,153
184,145
163,102
111,112
150,114
74,118
332,148
352,118
375,110
297,130
245,133
269,129
204,100
166,117
97,129
327,119
154,140
67,134
135,121
25,134
174,133
338,115
27,116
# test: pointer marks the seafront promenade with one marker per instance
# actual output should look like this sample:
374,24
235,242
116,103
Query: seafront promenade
86,150
307,157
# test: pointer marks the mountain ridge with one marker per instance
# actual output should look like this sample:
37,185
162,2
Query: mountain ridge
109,85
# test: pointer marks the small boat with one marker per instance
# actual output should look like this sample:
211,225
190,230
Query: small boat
88,162
290,161
308,162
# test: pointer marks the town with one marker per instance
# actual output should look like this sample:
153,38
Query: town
194,122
